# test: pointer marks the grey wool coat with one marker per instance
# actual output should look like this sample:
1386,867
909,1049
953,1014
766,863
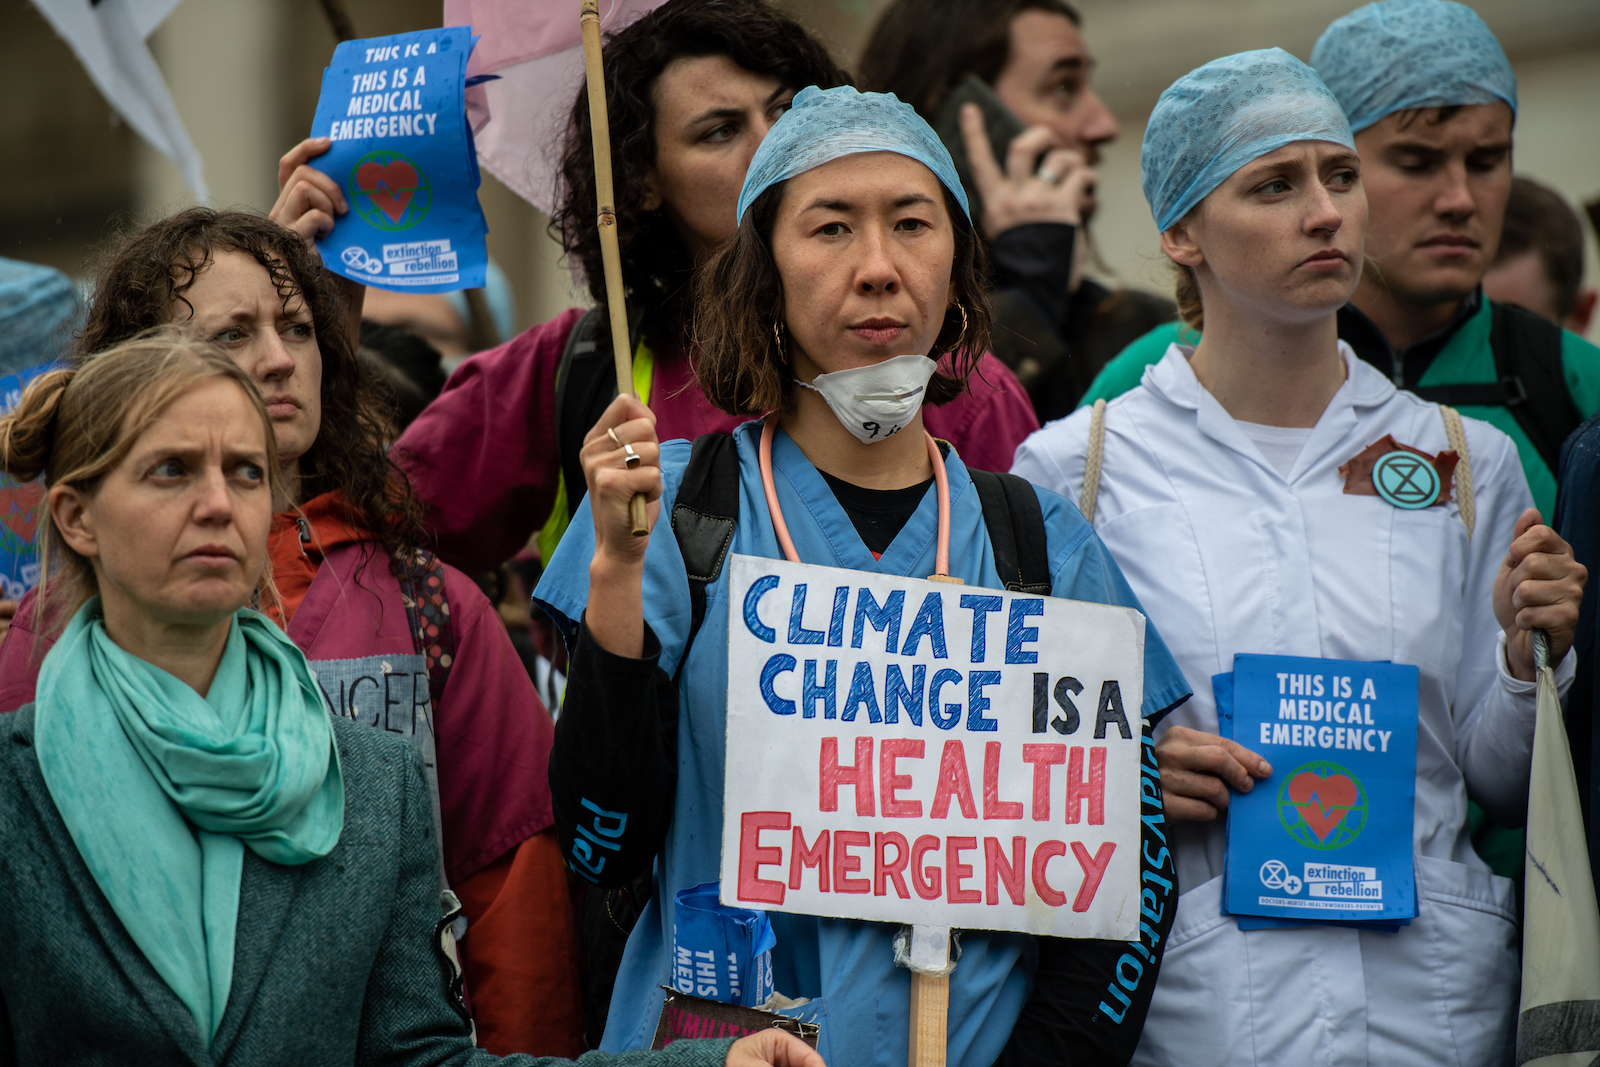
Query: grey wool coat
335,961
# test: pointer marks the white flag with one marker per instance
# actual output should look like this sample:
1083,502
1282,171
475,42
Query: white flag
535,46
1560,1020
108,37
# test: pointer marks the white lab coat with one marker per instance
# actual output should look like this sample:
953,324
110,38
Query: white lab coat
1228,556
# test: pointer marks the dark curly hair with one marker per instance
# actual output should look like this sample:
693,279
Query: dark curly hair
739,302
141,282
657,269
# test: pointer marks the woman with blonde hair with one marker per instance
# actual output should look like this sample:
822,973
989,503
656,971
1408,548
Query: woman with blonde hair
201,864
398,640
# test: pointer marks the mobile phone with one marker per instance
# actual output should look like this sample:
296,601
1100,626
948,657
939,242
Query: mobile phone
998,122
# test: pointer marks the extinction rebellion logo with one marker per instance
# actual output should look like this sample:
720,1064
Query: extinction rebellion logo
1322,805
389,191
1407,481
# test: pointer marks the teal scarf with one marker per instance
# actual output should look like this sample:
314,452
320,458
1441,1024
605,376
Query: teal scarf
163,789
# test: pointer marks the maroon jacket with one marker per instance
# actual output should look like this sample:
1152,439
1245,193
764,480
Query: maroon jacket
483,456
492,734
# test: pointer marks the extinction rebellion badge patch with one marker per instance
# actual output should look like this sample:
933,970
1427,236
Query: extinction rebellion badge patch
1404,477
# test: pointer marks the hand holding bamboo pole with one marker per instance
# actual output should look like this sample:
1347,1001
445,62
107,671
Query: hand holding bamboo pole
610,252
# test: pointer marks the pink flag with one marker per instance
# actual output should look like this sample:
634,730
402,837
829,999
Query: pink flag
535,46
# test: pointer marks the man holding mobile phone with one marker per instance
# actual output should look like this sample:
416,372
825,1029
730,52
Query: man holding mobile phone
1008,85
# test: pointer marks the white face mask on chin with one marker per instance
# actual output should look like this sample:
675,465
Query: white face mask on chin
876,402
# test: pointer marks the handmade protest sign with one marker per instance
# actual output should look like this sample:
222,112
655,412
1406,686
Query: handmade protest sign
395,108
388,692
911,751
1328,836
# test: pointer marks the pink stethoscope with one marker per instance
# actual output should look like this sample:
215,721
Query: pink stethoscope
940,480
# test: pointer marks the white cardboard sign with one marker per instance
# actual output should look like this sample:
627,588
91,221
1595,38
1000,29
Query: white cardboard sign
911,751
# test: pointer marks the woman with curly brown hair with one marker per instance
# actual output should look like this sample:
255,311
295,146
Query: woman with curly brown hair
397,639
692,88
847,307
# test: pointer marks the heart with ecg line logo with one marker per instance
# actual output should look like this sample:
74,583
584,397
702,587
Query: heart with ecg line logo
389,191
1322,805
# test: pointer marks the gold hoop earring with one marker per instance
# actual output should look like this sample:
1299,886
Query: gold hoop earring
963,337
777,339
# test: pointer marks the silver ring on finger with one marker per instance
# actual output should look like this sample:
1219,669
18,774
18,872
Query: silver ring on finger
630,457
1048,176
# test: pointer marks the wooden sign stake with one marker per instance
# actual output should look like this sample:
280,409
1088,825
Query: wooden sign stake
610,252
930,995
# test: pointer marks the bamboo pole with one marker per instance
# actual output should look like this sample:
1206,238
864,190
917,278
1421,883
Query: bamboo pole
610,252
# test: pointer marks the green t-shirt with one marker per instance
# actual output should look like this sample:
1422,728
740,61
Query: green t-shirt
1466,359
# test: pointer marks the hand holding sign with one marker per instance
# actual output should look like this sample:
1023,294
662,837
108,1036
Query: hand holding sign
309,201
1198,769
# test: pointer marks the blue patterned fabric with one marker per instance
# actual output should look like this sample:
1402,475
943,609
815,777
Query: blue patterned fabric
39,307
824,124
1399,54
1218,117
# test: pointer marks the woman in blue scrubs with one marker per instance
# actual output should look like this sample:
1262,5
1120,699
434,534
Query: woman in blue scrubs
855,259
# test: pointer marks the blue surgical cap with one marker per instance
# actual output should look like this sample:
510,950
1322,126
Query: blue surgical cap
824,124
1218,117
39,308
1399,54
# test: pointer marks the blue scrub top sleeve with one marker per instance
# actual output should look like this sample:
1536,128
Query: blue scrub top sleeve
563,589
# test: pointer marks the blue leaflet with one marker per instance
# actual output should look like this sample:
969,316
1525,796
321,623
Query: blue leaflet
403,154
21,505
718,952
1328,838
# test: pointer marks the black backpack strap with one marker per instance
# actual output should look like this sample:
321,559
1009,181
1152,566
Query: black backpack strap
433,633
1532,385
584,379
703,519
586,383
1016,531
1527,349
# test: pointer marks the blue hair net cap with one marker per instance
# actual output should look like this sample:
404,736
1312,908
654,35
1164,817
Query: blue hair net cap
1399,54
824,124
39,308
1218,117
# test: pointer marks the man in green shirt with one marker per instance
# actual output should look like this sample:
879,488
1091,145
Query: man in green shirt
1432,101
